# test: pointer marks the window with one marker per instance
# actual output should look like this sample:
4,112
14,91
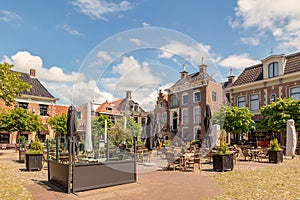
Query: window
4,138
197,133
254,102
241,102
273,69
185,99
43,110
78,113
23,105
295,93
214,96
174,101
272,98
197,115
160,104
197,97
185,116
185,134
164,117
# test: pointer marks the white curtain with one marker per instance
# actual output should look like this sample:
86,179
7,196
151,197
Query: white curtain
291,138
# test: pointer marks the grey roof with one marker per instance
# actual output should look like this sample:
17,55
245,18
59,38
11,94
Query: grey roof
255,73
37,89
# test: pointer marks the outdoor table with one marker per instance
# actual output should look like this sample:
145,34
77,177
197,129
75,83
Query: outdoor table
254,153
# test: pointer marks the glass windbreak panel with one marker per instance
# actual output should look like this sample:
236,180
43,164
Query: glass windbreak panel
115,150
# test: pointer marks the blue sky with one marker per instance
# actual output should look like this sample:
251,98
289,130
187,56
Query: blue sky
96,49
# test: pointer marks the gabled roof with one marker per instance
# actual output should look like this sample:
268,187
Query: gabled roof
118,106
193,78
255,73
37,89
250,74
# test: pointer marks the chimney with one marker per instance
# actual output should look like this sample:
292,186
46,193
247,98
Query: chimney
231,77
128,94
32,73
202,68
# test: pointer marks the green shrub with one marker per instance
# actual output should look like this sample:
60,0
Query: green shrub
223,149
36,147
274,145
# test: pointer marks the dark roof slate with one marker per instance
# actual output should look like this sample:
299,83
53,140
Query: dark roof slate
37,89
255,73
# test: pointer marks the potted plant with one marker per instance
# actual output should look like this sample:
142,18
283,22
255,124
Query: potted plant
223,158
34,155
275,152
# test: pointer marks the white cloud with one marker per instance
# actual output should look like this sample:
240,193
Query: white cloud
78,94
238,61
250,40
193,53
272,16
102,57
23,61
8,16
145,24
136,41
98,9
70,30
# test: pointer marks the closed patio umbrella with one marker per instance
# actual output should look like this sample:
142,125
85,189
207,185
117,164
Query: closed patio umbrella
150,129
291,138
71,121
207,119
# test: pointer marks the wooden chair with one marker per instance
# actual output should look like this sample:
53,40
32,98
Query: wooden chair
263,154
173,162
247,154
237,154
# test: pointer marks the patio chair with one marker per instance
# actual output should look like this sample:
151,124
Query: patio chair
237,154
263,155
173,162
247,154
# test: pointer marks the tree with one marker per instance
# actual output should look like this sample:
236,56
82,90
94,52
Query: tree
132,126
59,123
118,136
98,125
11,85
276,114
20,120
234,119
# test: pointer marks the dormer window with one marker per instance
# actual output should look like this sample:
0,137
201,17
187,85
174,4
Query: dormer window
273,69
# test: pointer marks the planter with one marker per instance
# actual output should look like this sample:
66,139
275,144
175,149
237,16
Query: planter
275,156
34,161
222,162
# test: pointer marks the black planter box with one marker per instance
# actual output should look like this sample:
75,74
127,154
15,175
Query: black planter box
222,162
34,161
275,156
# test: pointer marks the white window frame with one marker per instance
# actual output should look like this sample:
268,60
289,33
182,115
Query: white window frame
185,119
164,117
251,101
187,98
194,96
194,114
174,99
185,133
273,69
212,96
238,101
295,94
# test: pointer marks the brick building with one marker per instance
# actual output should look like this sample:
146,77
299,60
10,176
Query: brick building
123,107
187,100
39,101
277,76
